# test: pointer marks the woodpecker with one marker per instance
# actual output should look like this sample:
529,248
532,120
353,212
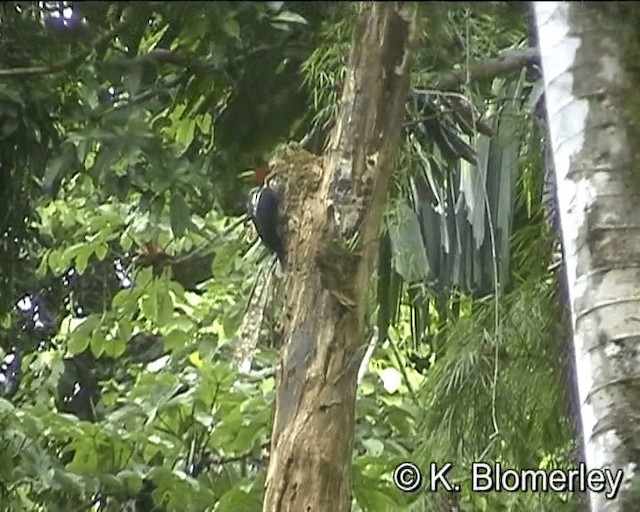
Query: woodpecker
263,211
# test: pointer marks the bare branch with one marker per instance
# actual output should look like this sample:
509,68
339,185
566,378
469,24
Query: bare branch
503,65
159,55
364,365
65,64
186,60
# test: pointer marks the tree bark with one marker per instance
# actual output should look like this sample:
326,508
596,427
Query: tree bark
334,207
599,206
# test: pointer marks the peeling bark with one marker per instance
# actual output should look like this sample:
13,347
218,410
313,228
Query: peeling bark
334,208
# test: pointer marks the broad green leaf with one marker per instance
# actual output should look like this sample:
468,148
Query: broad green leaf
69,254
149,303
82,258
180,322
78,343
11,93
9,126
88,92
267,385
124,328
85,460
249,436
205,419
237,499
366,387
204,123
105,159
232,27
131,478
176,339
98,343
70,324
115,347
68,481
410,257
195,359
186,132
124,299
6,406
112,483
126,241
391,379
378,501
275,6
289,17
57,167
149,43
179,214
101,251
81,336
374,446
81,148
44,263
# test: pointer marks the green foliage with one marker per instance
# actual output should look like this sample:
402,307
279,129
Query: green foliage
324,69
133,396
123,135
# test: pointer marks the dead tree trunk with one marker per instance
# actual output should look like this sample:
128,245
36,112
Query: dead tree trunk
334,209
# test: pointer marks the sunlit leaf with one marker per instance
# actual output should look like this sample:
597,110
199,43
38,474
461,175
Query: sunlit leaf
186,132
78,343
195,360
98,343
149,303
115,347
101,251
82,258
175,339
289,17
391,379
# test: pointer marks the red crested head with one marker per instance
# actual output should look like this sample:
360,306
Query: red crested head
260,174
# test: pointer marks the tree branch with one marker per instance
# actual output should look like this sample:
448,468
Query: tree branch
503,65
151,93
161,55
65,64
364,365
176,58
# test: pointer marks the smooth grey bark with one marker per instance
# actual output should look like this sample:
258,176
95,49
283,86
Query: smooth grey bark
599,204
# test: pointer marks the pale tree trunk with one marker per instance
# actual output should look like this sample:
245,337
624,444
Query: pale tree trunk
599,205
333,206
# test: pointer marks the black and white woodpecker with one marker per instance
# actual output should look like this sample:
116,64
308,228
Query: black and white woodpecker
263,209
